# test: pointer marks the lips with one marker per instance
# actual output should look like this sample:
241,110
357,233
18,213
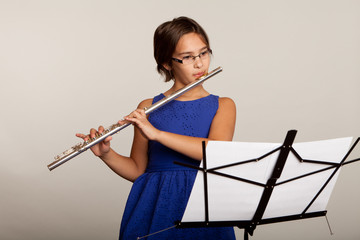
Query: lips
200,74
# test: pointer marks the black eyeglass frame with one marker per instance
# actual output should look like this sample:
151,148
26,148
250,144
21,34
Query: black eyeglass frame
193,57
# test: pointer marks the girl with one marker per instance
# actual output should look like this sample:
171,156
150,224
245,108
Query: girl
172,133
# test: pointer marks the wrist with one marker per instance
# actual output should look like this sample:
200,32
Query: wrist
105,155
158,136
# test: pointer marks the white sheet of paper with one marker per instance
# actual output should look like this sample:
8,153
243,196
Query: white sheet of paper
234,200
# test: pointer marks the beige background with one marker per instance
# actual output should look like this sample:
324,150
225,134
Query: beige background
67,66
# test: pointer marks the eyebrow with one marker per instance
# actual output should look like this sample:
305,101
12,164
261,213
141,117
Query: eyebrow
201,49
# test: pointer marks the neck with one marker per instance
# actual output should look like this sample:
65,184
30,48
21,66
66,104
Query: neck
195,93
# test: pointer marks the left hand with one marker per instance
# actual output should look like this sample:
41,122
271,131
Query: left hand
138,119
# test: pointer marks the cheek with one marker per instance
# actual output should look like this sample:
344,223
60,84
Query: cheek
182,71
207,61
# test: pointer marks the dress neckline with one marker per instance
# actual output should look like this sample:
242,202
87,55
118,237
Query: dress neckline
163,95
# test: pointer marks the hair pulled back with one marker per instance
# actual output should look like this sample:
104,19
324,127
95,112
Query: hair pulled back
166,38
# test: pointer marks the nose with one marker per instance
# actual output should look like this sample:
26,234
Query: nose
198,62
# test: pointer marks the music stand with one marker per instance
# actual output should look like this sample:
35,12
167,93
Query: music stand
280,190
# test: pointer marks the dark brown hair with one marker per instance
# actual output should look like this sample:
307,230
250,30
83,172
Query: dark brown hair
166,38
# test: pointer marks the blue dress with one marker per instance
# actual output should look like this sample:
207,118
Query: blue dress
159,197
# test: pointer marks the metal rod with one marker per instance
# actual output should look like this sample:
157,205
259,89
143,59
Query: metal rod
81,147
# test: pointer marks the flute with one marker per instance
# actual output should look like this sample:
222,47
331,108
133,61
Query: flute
115,128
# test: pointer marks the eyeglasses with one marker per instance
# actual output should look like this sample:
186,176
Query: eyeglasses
191,59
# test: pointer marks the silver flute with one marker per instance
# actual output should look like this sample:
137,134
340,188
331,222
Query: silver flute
81,147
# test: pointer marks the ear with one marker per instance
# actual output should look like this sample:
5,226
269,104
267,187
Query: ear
167,66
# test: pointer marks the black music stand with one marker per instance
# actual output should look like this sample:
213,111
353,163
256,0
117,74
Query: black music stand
267,188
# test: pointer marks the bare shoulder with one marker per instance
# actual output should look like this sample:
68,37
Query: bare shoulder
145,103
223,124
227,104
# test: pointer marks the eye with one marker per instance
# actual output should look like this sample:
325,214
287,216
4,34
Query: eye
186,57
204,53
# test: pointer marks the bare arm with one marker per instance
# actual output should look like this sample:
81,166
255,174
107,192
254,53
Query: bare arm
222,128
130,167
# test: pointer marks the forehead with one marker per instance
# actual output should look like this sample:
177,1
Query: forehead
190,43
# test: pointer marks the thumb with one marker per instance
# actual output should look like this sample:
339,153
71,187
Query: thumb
107,140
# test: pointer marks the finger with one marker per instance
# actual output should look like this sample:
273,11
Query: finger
80,135
123,121
130,114
93,132
101,129
87,138
136,113
141,111
83,136
130,119
107,140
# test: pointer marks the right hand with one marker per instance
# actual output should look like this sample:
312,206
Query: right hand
100,149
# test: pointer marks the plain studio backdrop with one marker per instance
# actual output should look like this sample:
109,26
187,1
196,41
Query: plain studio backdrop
67,66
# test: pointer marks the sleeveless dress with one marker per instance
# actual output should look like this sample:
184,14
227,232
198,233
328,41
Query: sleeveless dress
158,197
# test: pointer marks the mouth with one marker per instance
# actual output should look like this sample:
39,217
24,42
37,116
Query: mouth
199,75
